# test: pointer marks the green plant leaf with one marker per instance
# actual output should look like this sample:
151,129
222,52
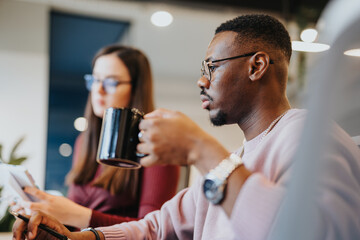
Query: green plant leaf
17,161
12,153
7,222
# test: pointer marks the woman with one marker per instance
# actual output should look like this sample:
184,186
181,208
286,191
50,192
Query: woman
101,195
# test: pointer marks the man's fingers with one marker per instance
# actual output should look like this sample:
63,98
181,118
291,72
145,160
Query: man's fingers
143,148
146,124
18,230
149,123
147,161
157,113
161,113
33,224
31,229
47,220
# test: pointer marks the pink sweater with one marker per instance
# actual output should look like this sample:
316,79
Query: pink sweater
189,216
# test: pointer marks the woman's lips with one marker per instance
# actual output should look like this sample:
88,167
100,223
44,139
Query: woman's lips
100,102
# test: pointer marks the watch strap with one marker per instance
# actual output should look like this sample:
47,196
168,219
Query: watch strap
97,236
227,166
215,181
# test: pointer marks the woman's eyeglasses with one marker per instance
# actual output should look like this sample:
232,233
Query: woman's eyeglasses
108,84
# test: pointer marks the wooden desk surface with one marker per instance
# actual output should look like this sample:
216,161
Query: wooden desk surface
5,236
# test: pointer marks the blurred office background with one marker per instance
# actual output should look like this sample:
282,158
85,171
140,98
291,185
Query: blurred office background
46,47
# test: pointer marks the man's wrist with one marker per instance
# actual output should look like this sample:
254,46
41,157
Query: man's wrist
85,236
207,155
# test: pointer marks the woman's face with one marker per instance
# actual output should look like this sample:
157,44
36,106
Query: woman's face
110,66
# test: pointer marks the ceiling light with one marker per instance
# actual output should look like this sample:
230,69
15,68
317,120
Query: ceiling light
308,35
65,150
353,52
309,47
80,124
161,19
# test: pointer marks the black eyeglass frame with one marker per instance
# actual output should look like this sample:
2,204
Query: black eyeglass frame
205,63
90,80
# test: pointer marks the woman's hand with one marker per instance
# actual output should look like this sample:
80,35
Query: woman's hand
22,230
61,208
170,137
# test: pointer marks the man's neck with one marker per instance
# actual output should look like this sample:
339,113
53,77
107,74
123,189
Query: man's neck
260,120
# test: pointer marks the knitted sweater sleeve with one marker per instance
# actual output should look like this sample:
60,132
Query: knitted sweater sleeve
175,220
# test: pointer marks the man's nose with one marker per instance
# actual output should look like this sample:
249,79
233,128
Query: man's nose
203,82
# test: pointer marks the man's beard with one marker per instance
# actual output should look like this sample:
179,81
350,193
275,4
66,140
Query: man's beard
219,119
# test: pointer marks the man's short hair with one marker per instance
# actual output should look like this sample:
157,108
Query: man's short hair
260,28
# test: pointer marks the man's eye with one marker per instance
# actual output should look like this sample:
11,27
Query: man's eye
212,68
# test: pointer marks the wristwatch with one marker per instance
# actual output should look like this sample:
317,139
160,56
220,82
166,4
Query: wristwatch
215,181
97,236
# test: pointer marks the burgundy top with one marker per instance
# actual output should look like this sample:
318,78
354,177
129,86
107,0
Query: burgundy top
158,184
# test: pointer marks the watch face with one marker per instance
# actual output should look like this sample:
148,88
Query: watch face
210,188
213,189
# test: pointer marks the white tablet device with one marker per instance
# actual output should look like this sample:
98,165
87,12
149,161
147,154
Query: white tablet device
18,178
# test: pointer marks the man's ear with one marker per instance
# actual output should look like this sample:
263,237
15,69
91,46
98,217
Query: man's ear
259,64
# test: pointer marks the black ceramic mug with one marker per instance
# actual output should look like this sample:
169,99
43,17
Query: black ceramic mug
119,138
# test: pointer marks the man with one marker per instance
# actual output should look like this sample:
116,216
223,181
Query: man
243,82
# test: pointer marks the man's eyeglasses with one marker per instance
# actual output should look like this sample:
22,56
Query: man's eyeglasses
207,68
108,84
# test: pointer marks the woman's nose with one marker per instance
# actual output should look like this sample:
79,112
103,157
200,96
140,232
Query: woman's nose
99,87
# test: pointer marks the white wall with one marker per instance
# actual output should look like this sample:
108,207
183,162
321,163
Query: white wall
175,53
24,81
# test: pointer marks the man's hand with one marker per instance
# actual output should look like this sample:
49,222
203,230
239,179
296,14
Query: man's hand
21,229
170,137
61,208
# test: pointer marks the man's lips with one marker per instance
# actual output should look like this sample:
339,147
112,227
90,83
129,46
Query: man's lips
205,98
205,104
205,101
